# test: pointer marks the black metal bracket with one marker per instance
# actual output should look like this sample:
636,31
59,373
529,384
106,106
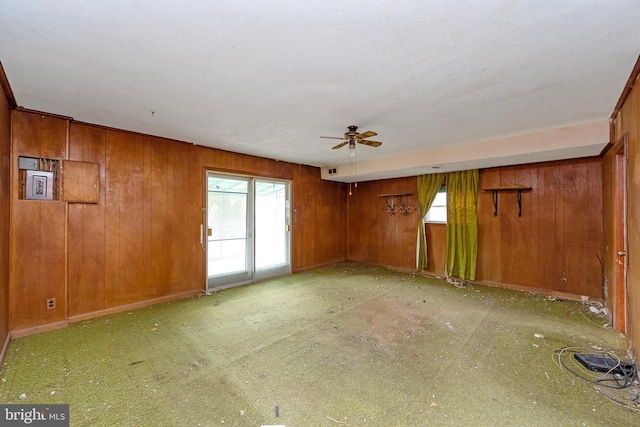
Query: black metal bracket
495,197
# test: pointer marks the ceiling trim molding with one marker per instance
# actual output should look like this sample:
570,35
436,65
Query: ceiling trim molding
44,113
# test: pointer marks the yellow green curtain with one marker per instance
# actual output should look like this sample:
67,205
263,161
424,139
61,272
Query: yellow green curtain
428,186
462,224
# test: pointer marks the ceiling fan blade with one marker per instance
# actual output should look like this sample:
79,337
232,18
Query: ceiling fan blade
331,137
342,144
367,134
370,143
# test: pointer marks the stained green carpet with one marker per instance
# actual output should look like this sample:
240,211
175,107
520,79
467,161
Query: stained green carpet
343,345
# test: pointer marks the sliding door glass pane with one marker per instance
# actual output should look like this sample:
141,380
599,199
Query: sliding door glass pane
271,224
227,219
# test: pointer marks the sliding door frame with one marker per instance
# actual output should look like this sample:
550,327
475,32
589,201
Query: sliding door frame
254,274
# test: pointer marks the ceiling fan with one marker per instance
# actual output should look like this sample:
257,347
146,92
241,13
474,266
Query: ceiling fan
352,136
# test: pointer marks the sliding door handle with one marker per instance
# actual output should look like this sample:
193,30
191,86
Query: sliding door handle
203,238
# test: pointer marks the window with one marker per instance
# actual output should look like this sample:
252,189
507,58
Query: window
438,211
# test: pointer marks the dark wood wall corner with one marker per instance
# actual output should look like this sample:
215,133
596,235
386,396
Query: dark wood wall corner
6,88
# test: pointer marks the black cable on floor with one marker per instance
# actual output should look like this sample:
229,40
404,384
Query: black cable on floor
628,375
623,381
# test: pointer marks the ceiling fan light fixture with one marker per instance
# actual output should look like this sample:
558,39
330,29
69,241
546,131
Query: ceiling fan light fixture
351,138
352,147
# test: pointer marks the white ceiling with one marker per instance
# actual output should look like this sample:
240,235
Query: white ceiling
268,78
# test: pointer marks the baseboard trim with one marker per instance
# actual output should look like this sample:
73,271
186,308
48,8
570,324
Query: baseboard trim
541,291
19,333
133,306
313,267
537,291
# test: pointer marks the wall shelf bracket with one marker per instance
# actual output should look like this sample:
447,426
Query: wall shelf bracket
496,190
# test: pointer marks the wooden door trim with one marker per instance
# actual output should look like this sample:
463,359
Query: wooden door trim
620,303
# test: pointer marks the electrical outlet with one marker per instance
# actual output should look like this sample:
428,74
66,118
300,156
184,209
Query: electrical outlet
51,303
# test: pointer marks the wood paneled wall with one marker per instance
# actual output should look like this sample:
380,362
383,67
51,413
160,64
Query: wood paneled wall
87,229
38,228
376,237
141,242
5,197
319,219
555,244
436,249
626,121
553,247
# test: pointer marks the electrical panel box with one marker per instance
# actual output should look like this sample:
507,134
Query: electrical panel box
39,185
38,178
61,180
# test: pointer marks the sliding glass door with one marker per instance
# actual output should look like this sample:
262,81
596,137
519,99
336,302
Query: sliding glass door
248,236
